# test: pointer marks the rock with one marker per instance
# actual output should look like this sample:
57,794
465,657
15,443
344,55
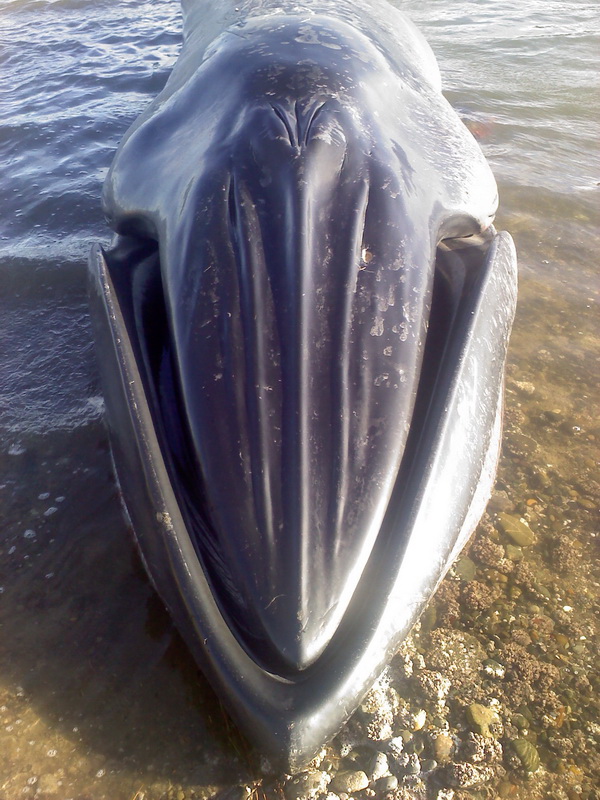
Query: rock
518,531
480,718
380,704
456,654
395,746
465,568
418,719
378,767
520,722
306,785
519,444
349,781
413,764
500,501
479,750
464,776
514,552
433,684
442,747
386,784
506,789
491,554
523,387
493,668
527,754
476,596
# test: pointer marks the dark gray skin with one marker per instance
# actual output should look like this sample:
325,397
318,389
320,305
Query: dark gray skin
307,367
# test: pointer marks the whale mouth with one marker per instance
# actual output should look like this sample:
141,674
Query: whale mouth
289,708
134,269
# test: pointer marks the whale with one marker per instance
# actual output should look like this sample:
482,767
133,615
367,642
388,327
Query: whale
301,326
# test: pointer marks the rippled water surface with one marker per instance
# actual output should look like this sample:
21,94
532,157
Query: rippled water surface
98,698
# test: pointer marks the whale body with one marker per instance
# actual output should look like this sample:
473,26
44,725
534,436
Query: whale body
302,327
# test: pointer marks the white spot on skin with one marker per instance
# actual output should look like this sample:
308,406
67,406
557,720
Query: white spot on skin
377,329
165,518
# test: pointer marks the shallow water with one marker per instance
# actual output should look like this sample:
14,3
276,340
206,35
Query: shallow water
98,698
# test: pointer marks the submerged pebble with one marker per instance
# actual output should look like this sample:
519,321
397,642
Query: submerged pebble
306,785
480,718
518,531
527,754
350,781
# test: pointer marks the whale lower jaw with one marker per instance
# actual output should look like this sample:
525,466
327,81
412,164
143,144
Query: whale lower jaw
290,713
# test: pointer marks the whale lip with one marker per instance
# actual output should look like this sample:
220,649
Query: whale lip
293,699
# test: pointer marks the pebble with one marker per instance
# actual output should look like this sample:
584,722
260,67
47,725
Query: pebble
505,789
395,746
306,785
387,784
443,747
480,718
500,501
445,794
465,568
349,781
463,775
413,764
493,668
518,531
520,722
378,767
418,719
527,754
524,387
514,552
434,685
